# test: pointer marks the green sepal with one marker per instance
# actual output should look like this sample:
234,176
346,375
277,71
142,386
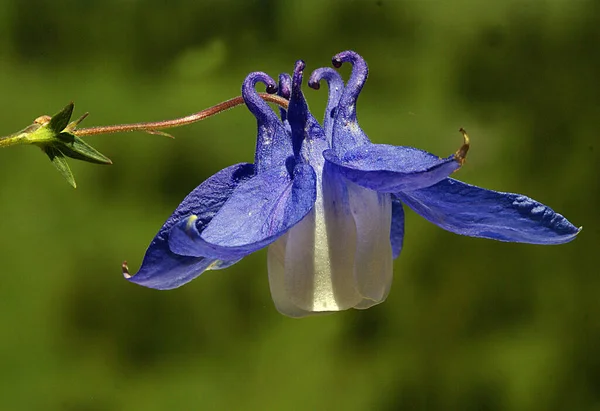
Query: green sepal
60,120
74,147
60,162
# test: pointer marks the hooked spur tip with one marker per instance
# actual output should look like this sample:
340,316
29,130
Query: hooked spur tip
336,61
461,155
300,65
253,79
285,86
271,88
332,77
297,76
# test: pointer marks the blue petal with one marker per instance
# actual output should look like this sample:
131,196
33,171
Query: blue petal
336,87
346,131
273,144
307,134
477,212
390,169
163,269
258,212
284,90
397,231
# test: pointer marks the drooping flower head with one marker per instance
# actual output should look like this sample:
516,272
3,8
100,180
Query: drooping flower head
328,204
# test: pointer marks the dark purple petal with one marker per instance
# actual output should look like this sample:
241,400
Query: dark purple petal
298,109
273,144
257,213
397,231
163,269
303,124
346,131
477,212
389,169
336,87
284,90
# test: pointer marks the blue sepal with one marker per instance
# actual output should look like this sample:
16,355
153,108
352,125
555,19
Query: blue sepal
163,269
258,213
468,210
389,169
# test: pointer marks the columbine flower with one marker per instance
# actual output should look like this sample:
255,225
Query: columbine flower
328,203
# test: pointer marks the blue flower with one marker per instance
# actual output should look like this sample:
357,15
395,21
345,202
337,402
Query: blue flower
329,204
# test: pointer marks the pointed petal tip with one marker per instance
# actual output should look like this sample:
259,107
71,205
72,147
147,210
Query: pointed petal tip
285,86
477,212
125,270
70,106
461,154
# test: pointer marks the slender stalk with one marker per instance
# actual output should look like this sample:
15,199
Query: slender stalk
20,137
192,118
11,141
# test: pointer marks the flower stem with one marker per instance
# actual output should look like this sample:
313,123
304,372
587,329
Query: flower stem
154,127
11,141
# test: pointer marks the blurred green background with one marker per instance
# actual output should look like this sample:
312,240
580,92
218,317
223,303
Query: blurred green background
470,324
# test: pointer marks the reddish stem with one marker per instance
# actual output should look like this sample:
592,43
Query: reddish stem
192,118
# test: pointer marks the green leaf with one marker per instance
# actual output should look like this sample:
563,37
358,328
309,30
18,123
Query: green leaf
60,120
60,162
74,147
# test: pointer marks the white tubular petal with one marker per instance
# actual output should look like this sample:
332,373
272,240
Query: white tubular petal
275,265
373,264
319,257
339,256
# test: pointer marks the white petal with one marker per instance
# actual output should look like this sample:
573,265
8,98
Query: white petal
319,260
275,265
373,265
339,256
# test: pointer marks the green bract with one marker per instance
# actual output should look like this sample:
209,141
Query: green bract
55,136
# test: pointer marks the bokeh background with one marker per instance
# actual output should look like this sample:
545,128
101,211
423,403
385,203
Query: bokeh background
470,324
